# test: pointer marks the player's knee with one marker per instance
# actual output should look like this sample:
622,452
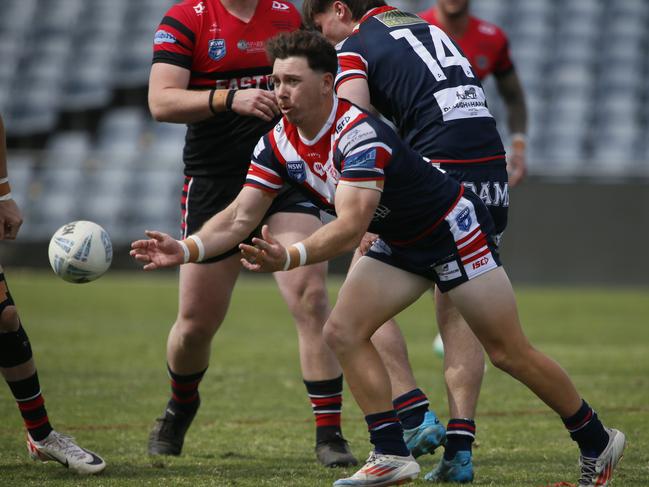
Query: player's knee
191,333
335,335
508,360
310,305
9,319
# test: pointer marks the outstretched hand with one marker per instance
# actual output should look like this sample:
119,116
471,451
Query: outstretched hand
265,255
159,251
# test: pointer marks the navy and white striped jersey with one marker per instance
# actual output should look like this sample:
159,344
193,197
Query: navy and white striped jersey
419,79
355,148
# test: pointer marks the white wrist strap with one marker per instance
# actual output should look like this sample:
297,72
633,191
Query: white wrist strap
6,197
287,264
4,180
185,251
302,250
201,247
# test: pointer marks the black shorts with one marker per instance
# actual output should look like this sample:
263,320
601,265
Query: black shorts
488,180
204,196
460,248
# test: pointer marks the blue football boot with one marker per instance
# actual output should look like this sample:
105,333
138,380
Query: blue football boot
458,470
426,437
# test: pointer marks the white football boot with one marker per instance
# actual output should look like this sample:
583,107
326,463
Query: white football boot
62,448
597,472
382,470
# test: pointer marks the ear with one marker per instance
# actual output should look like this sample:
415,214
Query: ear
342,11
327,83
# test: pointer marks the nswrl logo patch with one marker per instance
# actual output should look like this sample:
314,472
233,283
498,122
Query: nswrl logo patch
216,49
464,220
296,170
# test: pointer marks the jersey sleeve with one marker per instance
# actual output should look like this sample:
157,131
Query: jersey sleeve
174,40
363,157
351,62
263,171
503,62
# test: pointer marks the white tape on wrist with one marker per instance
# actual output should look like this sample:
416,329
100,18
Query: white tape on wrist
302,250
185,251
287,264
4,180
6,197
201,247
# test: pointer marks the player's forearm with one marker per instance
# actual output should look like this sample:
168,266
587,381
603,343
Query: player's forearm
329,241
517,116
178,105
224,231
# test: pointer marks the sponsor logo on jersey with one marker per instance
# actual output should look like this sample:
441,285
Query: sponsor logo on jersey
163,36
343,122
279,6
464,220
356,135
465,101
467,94
296,170
250,46
448,271
199,8
363,159
216,49
395,18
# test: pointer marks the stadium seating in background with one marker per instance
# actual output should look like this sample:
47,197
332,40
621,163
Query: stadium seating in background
583,64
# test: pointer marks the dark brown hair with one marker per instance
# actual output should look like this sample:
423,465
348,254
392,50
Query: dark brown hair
319,52
310,8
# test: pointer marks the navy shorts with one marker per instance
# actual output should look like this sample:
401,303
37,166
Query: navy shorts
489,181
461,248
204,196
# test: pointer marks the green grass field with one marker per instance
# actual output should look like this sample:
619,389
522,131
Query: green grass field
100,352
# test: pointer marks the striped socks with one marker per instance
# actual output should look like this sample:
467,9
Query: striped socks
386,433
460,434
27,393
184,391
587,430
411,408
326,398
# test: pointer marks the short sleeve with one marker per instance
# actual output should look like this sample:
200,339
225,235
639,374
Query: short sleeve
174,40
351,63
263,171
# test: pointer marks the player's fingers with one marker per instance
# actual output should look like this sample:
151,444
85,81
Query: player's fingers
150,267
263,112
159,236
262,244
271,102
249,266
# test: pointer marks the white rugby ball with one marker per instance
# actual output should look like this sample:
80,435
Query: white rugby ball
80,251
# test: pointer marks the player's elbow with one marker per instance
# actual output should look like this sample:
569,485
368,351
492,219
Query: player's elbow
159,111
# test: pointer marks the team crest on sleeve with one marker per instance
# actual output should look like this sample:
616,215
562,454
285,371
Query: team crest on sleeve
216,49
464,220
296,170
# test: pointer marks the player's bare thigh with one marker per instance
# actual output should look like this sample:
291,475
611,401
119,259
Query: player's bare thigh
289,228
372,293
205,291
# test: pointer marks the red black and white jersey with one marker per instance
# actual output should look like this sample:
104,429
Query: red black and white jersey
357,149
421,81
222,51
485,44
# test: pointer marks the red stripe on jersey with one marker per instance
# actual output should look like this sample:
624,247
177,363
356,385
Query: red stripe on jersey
430,229
260,172
347,62
261,186
344,78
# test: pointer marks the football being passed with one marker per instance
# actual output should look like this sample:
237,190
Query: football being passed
80,251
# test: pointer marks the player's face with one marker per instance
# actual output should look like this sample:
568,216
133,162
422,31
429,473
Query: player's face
335,23
299,89
453,8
